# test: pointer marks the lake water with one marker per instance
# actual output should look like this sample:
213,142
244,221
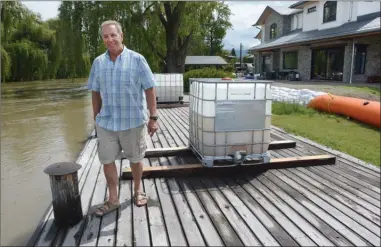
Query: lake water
41,124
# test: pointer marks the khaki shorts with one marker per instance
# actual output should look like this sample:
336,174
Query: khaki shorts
111,143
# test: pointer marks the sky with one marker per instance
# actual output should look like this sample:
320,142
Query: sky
244,15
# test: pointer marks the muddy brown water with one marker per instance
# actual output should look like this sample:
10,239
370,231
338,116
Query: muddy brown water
41,124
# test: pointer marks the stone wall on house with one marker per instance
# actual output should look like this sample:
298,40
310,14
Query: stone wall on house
278,20
347,62
258,62
304,62
268,67
373,58
276,59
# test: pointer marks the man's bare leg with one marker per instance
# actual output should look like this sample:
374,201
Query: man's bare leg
137,172
112,181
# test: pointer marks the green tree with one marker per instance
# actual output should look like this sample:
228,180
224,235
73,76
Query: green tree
233,53
181,21
216,28
27,45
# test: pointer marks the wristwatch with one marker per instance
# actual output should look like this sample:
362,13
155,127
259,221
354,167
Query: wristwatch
154,118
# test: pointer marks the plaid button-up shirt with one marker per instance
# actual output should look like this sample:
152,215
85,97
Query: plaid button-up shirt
121,85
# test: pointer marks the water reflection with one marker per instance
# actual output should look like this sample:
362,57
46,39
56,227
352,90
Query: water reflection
38,129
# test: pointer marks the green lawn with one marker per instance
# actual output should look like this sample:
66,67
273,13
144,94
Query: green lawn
339,133
372,90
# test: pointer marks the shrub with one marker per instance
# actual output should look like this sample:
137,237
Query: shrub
203,73
286,108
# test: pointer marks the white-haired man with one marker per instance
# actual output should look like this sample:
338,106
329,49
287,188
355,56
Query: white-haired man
122,86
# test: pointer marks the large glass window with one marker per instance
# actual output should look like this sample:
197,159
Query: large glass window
290,60
360,59
330,8
273,31
328,63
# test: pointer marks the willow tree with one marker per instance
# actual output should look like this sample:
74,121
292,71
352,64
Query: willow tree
76,61
28,45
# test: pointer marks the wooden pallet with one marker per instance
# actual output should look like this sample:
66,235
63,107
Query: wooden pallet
221,169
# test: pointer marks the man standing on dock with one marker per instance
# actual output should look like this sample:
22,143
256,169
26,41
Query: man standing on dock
122,86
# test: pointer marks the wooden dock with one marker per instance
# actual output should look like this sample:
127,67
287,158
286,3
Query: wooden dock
334,205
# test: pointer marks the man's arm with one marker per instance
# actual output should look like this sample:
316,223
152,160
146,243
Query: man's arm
151,100
97,102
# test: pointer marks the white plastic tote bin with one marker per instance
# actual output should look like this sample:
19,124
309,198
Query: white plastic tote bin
229,119
169,88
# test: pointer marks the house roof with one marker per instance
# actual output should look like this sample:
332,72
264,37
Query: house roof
280,10
202,60
298,4
366,24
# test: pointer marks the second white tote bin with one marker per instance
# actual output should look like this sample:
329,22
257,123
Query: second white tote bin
169,87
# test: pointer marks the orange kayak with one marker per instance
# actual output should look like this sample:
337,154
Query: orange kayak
365,111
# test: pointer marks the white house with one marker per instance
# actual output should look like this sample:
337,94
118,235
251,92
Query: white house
324,40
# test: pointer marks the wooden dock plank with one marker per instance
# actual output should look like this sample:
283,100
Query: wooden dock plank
157,226
107,230
356,179
331,209
260,231
188,221
141,235
352,201
338,193
276,213
91,228
276,231
305,209
344,173
223,226
346,208
324,205
302,221
209,232
174,227
174,235
174,129
124,234
356,191
241,226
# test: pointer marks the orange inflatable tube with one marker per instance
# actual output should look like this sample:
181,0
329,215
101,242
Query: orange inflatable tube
365,111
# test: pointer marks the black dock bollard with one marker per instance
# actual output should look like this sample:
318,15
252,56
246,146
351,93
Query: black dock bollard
67,206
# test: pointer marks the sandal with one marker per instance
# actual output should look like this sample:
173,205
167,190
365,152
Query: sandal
106,208
139,197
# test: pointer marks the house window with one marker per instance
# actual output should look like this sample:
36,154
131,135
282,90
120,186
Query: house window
360,59
290,60
312,9
330,8
273,31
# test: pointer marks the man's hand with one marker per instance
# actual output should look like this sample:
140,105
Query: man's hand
152,127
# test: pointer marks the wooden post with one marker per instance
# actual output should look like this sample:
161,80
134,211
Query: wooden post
67,206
